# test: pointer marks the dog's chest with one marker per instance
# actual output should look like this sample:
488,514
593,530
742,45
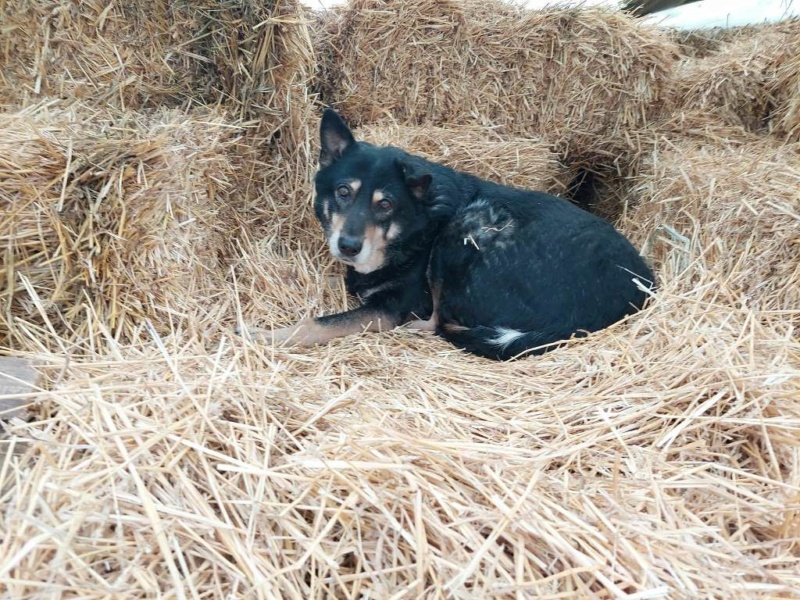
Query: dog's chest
364,293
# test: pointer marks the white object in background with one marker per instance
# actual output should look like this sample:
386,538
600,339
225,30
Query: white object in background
725,13
698,15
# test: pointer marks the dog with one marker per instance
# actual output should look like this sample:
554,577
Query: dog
497,271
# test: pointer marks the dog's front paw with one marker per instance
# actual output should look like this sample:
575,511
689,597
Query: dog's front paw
419,325
285,336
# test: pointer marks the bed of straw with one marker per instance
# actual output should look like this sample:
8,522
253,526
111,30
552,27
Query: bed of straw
156,162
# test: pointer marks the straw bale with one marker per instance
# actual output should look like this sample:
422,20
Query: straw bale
580,77
736,82
735,209
126,54
785,89
108,217
521,162
700,126
259,58
253,55
699,43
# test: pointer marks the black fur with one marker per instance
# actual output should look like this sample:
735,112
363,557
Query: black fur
513,270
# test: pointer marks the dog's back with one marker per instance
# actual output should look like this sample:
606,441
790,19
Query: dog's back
516,270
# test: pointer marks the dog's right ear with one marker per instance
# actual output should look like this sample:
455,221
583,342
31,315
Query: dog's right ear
417,178
335,137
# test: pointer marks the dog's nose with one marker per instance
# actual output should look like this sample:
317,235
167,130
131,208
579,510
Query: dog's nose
349,246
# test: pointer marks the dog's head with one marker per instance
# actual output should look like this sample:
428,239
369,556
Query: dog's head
369,199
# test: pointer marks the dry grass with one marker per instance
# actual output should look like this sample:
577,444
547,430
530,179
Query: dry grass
166,457
580,77
108,217
736,81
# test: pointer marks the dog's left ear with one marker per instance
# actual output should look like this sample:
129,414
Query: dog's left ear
335,137
417,178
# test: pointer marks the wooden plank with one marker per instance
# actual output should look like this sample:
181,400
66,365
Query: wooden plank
17,377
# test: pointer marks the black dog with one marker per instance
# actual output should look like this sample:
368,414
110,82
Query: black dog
495,270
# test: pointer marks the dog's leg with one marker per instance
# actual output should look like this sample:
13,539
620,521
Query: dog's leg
321,330
430,324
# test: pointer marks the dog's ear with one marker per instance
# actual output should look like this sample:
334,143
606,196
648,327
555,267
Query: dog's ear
417,177
335,137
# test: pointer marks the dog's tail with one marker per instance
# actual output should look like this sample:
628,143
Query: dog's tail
501,343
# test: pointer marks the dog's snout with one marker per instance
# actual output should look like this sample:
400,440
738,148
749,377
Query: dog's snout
349,246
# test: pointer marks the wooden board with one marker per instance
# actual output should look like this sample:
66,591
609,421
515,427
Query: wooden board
17,377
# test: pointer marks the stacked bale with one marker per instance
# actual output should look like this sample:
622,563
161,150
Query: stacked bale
785,89
97,259
254,57
125,54
254,54
521,162
731,211
735,82
108,218
583,78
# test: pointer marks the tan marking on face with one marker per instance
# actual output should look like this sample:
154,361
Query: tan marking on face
377,196
355,185
393,232
374,250
337,222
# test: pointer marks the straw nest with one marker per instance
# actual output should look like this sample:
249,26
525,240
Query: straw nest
108,217
581,77
658,457
737,81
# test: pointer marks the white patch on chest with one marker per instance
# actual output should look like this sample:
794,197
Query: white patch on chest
505,336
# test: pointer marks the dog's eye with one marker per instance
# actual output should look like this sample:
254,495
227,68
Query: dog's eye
343,191
384,204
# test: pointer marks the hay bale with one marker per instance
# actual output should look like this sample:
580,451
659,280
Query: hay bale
259,58
733,209
580,77
253,55
698,43
736,81
703,127
108,217
515,161
785,89
128,54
